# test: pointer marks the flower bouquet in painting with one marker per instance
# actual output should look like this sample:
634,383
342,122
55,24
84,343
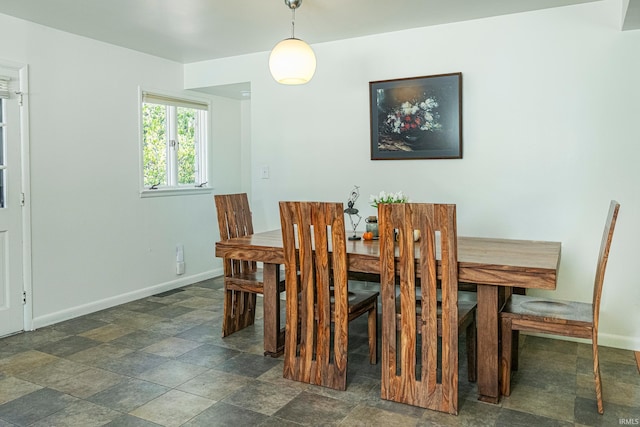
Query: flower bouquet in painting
410,119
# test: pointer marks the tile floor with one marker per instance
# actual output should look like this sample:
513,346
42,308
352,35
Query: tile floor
160,361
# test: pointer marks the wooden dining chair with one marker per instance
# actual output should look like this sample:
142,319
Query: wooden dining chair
319,306
557,317
415,371
242,279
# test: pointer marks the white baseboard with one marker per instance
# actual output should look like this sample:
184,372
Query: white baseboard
61,316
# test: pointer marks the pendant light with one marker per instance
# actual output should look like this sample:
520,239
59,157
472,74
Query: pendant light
292,61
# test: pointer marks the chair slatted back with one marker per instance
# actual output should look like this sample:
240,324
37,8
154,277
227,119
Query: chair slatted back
234,220
313,352
433,383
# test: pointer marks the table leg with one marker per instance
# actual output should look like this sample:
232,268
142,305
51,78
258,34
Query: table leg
488,349
273,336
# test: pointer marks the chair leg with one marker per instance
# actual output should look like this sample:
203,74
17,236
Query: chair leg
515,349
248,312
239,311
596,375
228,315
505,360
372,322
472,355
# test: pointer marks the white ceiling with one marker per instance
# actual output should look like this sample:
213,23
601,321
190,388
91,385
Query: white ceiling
195,30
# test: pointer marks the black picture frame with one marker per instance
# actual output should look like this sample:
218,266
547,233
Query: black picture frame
416,118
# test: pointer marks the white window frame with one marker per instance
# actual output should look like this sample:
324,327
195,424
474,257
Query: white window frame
173,187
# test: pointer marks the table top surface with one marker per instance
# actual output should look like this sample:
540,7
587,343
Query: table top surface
529,263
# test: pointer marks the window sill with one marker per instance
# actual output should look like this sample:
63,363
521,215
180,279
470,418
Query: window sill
187,191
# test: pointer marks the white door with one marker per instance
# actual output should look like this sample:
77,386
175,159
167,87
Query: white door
11,274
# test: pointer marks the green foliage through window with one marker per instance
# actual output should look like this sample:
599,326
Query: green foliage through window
174,138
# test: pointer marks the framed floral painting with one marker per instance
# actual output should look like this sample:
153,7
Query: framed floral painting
417,118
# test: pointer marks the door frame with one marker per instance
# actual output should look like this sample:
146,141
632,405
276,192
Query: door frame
25,181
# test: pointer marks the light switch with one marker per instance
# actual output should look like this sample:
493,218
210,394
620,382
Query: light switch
264,172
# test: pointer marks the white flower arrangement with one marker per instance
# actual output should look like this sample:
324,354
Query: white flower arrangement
383,197
420,115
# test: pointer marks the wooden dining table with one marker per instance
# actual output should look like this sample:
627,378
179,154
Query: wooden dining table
496,266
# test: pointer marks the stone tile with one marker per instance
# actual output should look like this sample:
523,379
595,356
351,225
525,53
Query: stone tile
533,343
139,339
558,405
509,418
545,379
130,421
470,414
128,395
196,317
363,415
208,355
79,414
172,373
107,333
214,385
35,406
223,415
373,400
170,311
31,339
358,364
586,412
96,356
607,354
548,360
170,326
133,364
278,422
203,334
171,347
262,397
199,303
53,372
233,372
308,408
25,361
248,365
248,340
359,388
173,408
138,320
78,325
169,299
274,376
109,315
614,392
611,372
142,306
87,383
68,346
216,283
12,388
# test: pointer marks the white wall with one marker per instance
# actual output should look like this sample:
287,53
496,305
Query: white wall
95,241
550,110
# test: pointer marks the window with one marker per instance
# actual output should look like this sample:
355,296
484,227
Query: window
174,143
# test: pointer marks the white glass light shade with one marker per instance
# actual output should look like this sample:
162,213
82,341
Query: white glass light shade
292,62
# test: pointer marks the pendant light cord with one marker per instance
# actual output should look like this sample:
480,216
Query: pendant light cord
293,22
